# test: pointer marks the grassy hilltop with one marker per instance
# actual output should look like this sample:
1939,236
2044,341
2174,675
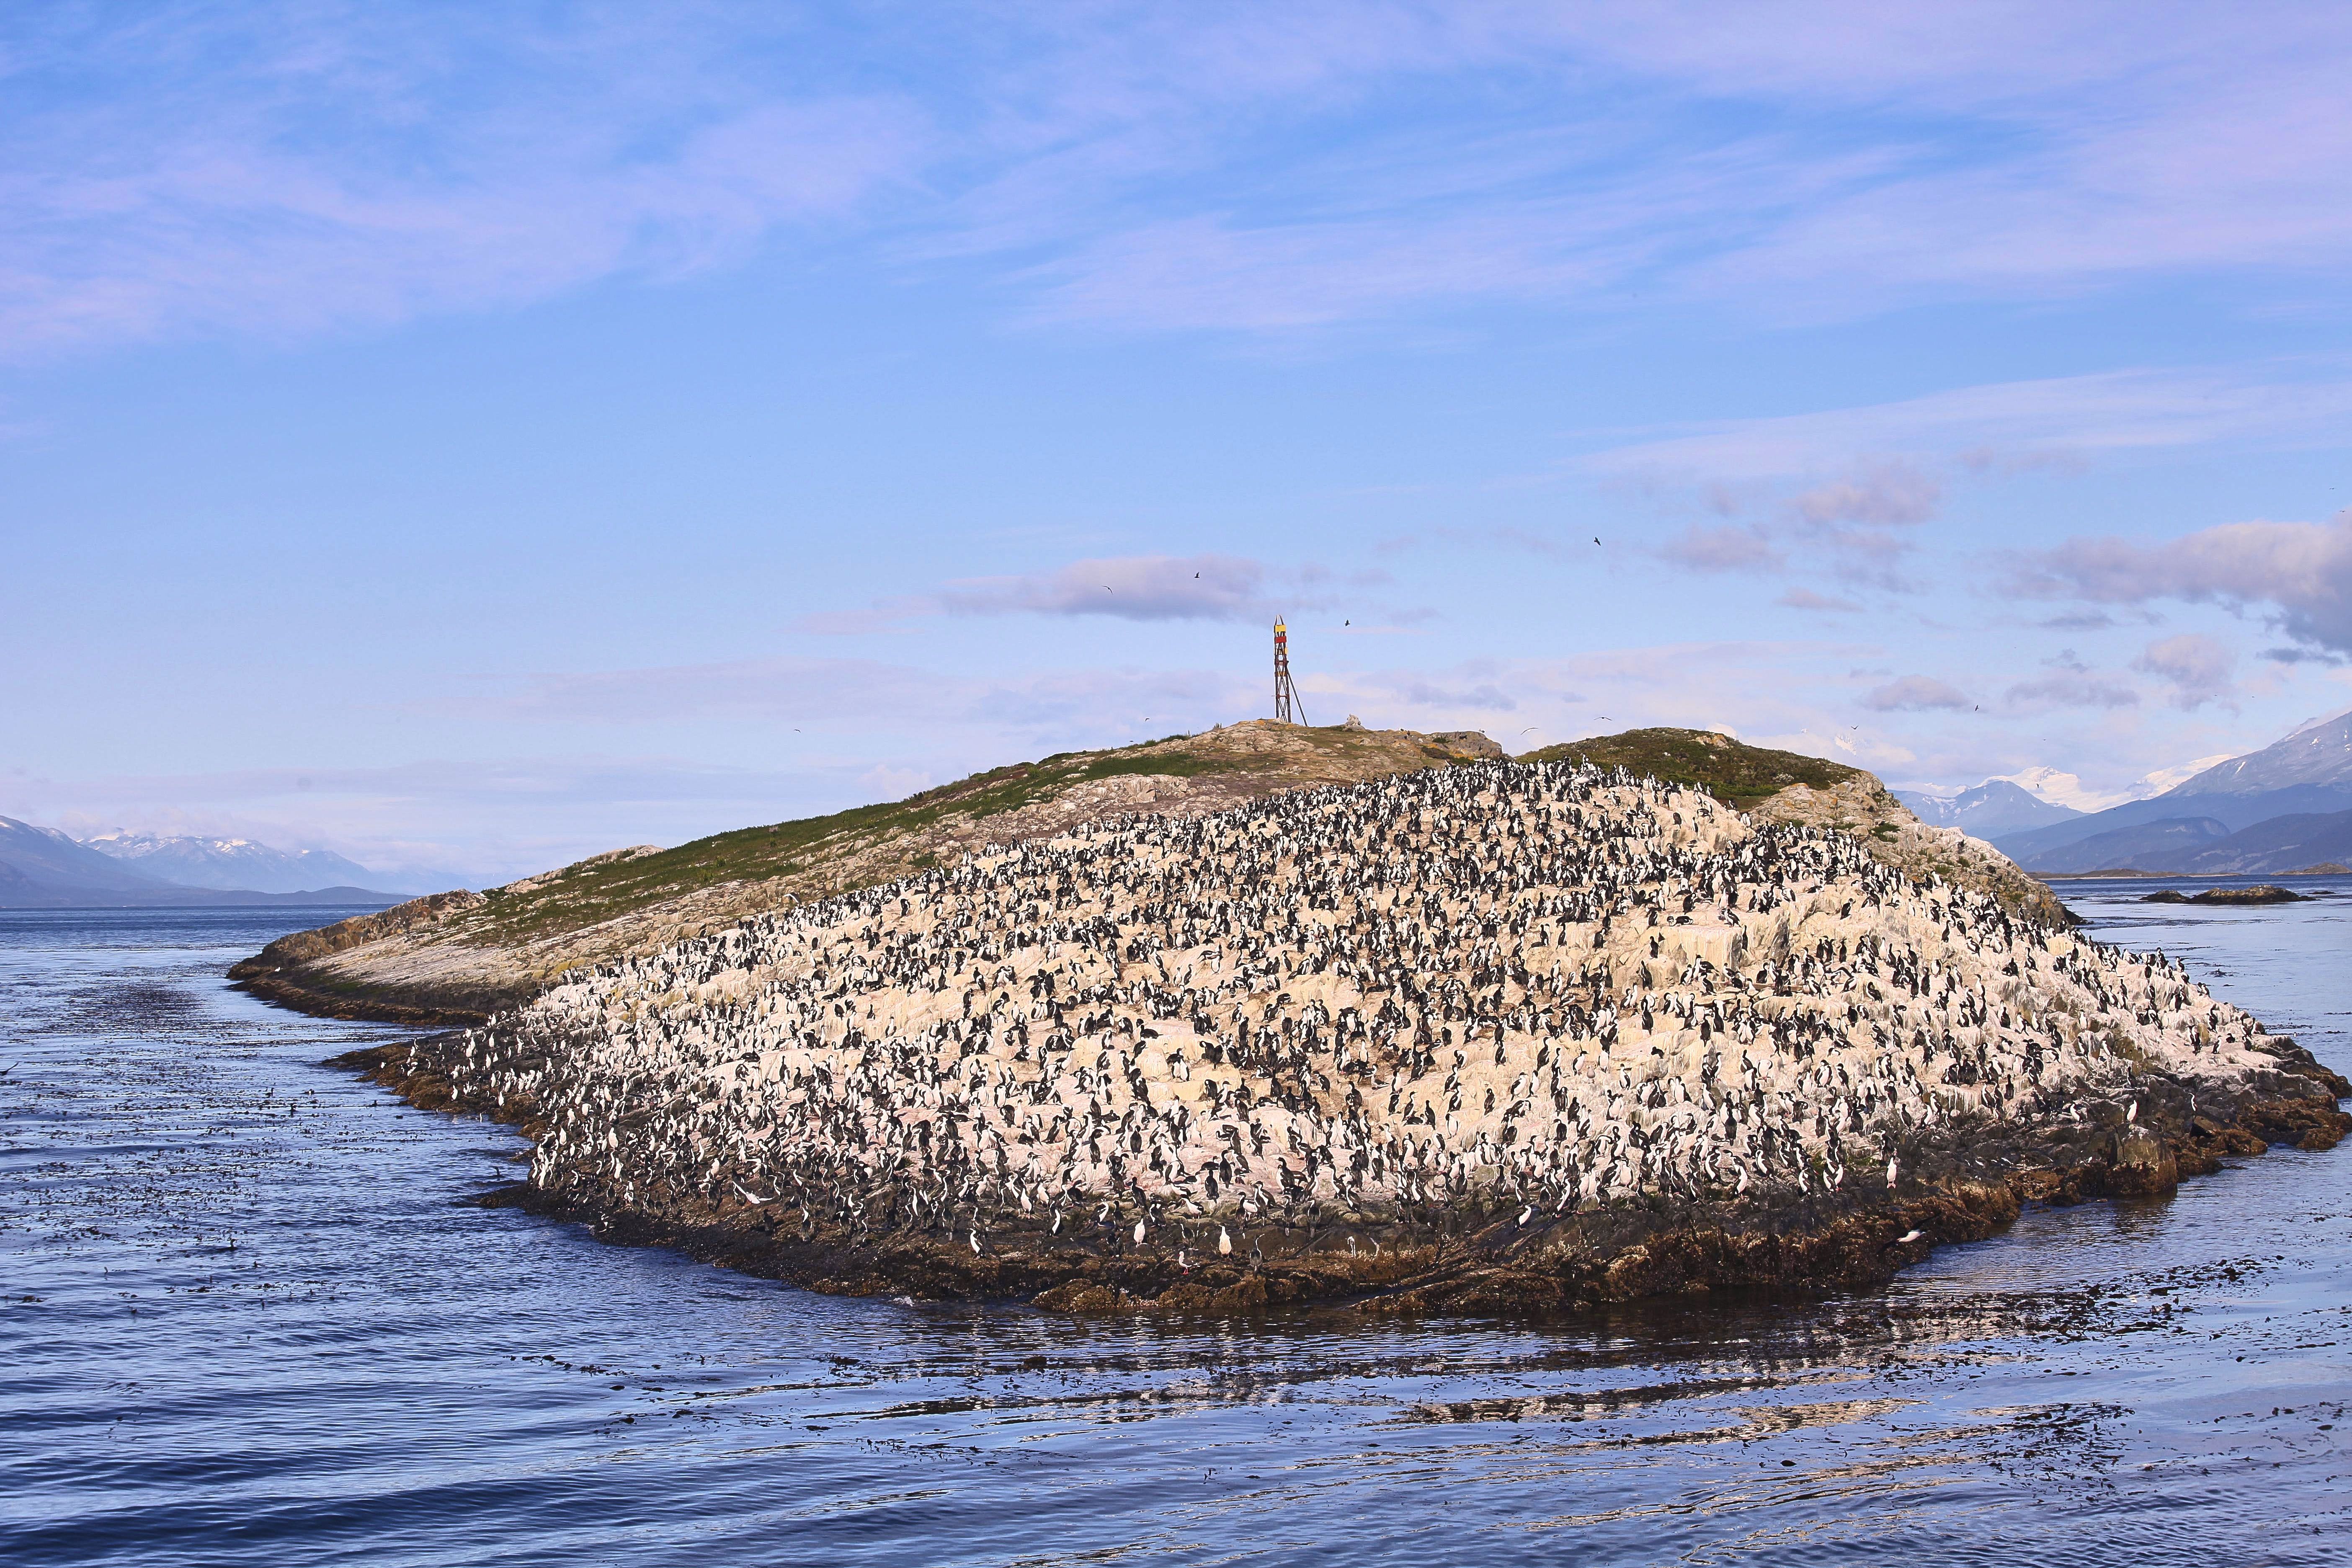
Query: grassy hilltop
817,856
1738,774
457,956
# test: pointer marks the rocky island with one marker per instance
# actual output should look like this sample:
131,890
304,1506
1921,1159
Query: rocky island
2261,893
1468,1035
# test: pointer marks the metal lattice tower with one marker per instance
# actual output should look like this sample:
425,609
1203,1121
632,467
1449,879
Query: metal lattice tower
1287,706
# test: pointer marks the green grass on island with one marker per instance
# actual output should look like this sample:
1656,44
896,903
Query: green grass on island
896,834
609,886
1733,772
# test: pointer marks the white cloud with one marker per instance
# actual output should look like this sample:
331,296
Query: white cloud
1132,587
2199,669
1838,450
1844,490
2071,689
1128,587
1885,494
2302,571
282,169
1914,694
1727,548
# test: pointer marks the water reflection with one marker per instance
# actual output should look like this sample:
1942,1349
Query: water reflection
249,1318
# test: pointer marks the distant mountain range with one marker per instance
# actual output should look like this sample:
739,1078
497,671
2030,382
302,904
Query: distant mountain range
230,863
2319,753
41,867
2283,808
2287,807
1993,807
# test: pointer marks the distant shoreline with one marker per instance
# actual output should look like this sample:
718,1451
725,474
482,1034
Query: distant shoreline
197,898
2127,873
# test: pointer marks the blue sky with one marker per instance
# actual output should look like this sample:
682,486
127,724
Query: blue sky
468,437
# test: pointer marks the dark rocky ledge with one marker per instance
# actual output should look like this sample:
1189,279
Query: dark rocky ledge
2265,893
296,972
304,990
1962,1184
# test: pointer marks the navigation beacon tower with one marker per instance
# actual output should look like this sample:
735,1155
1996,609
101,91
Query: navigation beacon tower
1286,705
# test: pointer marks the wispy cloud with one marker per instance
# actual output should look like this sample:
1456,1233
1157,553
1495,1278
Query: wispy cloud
2199,668
1878,462
2071,685
1806,599
1132,587
1885,494
1846,490
1128,587
827,693
286,168
2300,573
1727,548
1914,693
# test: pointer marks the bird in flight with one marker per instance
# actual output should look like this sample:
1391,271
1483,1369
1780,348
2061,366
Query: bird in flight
1596,539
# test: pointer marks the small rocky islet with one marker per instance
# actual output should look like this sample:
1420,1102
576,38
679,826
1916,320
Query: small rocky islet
2262,893
1492,1037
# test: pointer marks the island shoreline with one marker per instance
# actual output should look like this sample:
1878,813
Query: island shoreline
1482,1263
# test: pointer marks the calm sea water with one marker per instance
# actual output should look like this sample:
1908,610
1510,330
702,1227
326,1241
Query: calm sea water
247,1321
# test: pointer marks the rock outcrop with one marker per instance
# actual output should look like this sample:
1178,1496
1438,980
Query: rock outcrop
455,958
1480,1037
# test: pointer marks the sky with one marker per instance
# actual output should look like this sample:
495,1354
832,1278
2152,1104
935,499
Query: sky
468,437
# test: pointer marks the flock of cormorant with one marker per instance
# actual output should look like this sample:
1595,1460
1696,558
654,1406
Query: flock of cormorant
1538,986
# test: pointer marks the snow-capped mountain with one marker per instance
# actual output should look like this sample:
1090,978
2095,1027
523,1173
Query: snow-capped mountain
238,863
2164,781
2318,751
43,857
2068,789
1994,806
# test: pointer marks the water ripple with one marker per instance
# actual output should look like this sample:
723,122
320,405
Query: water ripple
246,1316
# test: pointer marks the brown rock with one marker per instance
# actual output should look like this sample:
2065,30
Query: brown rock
2142,1165
1083,1296
1628,1275
1241,1299
1187,1296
